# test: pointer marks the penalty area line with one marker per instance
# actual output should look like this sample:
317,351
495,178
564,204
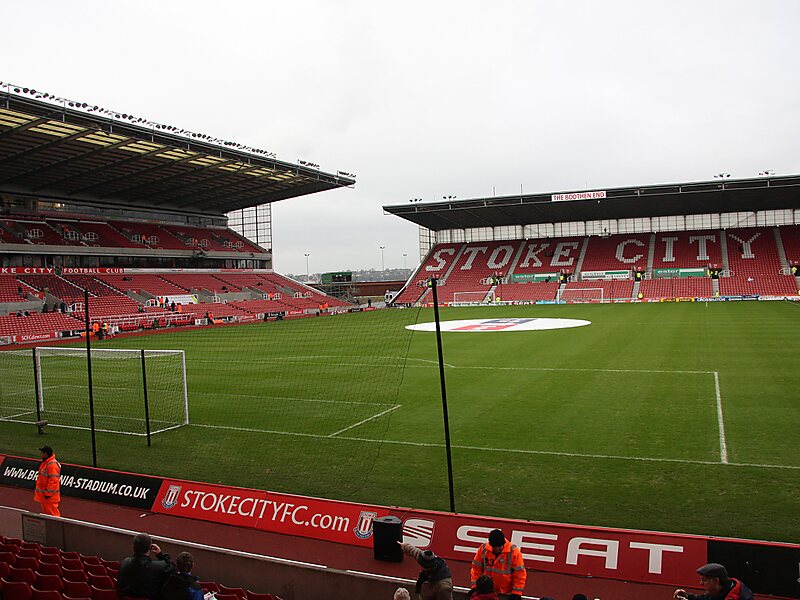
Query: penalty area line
380,414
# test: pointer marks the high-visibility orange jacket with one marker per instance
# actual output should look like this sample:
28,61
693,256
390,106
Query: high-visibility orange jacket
48,483
506,569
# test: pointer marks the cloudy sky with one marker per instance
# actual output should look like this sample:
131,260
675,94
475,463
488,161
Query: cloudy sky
426,99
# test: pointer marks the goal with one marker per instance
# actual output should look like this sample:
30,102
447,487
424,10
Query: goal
52,384
577,295
470,298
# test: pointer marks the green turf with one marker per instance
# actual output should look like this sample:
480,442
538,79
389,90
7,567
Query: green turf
612,424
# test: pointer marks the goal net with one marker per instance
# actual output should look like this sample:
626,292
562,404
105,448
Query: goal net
53,384
577,295
469,298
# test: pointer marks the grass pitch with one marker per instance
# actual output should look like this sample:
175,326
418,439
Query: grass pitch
673,417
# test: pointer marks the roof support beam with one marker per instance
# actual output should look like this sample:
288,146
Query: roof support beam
84,172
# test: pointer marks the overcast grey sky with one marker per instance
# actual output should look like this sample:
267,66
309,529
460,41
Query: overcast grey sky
425,99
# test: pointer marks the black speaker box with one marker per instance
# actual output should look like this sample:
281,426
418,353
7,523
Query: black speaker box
386,532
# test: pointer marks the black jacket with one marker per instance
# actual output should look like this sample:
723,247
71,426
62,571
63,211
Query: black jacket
141,577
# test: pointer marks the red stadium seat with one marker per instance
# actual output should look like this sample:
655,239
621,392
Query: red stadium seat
255,596
77,589
27,562
8,558
104,593
26,575
50,550
74,575
70,555
221,596
50,558
37,594
29,551
90,560
95,569
49,569
5,569
15,590
236,591
103,582
48,582
72,563
209,586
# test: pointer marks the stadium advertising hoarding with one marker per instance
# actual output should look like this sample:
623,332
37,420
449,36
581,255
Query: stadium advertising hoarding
610,553
112,487
60,270
630,555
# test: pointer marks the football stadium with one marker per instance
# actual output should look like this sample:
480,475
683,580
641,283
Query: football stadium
571,367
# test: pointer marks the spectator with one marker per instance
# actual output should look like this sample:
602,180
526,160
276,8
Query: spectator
172,306
401,593
502,560
483,590
717,585
143,574
48,483
434,581
181,584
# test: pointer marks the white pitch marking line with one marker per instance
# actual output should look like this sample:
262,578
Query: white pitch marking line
380,414
723,446
512,450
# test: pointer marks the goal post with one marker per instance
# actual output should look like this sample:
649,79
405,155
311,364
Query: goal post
52,383
578,295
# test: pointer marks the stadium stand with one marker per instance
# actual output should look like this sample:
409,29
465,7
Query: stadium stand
142,283
687,249
612,290
755,265
200,281
23,575
677,287
549,255
541,290
55,285
38,324
628,251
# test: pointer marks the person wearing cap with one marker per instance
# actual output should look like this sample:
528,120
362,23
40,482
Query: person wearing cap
48,483
502,561
717,585
434,581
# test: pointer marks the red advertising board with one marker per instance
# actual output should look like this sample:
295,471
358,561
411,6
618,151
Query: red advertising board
63,270
33,337
587,551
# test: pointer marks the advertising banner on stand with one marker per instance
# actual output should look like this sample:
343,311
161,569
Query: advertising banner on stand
112,487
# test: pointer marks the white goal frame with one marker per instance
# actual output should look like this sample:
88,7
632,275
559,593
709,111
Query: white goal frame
586,295
41,353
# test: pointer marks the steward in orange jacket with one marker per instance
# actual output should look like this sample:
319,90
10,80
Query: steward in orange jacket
502,561
48,483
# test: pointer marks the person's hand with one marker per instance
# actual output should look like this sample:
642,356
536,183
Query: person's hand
680,593
154,550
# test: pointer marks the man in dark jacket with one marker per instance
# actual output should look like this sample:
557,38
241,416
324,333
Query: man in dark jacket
143,574
717,585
